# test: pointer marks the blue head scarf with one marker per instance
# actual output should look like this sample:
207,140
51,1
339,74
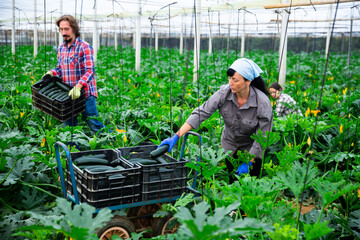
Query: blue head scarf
246,68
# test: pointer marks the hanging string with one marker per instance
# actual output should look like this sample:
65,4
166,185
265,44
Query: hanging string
45,67
320,102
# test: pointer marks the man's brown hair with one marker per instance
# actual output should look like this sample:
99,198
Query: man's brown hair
73,23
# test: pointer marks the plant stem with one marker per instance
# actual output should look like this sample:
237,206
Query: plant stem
8,172
8,206
37,188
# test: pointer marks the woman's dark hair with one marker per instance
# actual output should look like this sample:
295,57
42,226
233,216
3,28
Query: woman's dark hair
276,86
257,82
73,23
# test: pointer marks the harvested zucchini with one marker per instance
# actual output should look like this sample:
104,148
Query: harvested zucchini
91,161
143,161
63,87
50,85
159,151
98,168
161,160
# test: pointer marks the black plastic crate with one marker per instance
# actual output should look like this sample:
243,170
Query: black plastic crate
165,180
60,110
106,189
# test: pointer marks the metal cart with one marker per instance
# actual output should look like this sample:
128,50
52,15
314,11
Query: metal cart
140,208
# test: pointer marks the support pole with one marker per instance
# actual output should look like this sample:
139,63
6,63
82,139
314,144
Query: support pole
210,43
13,29
243,38
350,36
138,39
328,33
95,33
283,47
156,41
61,13
35,31
197,42
181,35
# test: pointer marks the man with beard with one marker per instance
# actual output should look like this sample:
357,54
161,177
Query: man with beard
75,65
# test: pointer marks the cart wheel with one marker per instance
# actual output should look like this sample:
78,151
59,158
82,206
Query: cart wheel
165,225
119,226
138,212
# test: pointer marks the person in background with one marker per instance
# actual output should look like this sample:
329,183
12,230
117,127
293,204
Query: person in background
285,104
75,65
244,107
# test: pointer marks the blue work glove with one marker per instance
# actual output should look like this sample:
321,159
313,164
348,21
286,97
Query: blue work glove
244,168
170,141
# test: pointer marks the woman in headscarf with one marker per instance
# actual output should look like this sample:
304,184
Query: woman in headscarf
245,108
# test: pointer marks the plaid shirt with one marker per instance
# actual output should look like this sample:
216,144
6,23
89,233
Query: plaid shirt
286,105
76,65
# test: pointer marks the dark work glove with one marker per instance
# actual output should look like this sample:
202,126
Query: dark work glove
47,76
170,141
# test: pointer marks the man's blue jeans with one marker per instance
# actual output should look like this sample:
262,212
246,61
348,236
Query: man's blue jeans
90,111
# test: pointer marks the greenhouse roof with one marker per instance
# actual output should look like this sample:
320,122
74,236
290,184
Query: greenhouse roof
218,17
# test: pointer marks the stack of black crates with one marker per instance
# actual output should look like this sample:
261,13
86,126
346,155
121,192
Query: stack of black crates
135,183
60,110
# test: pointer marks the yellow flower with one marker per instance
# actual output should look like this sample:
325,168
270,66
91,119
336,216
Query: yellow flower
289,144
344,91
124,138
150,85
272,73
129,80
304,94
331,78
292,82
121,130
210,94
307,112
352,144
358,192
25,73
341,128
311,152
21,114
49,123
338,101
12,66
310,75
349,115
17,91
209,87
32,77
272,103
43,142
309,141
30,73
189,93
315,112
158,95
32,82
114,78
